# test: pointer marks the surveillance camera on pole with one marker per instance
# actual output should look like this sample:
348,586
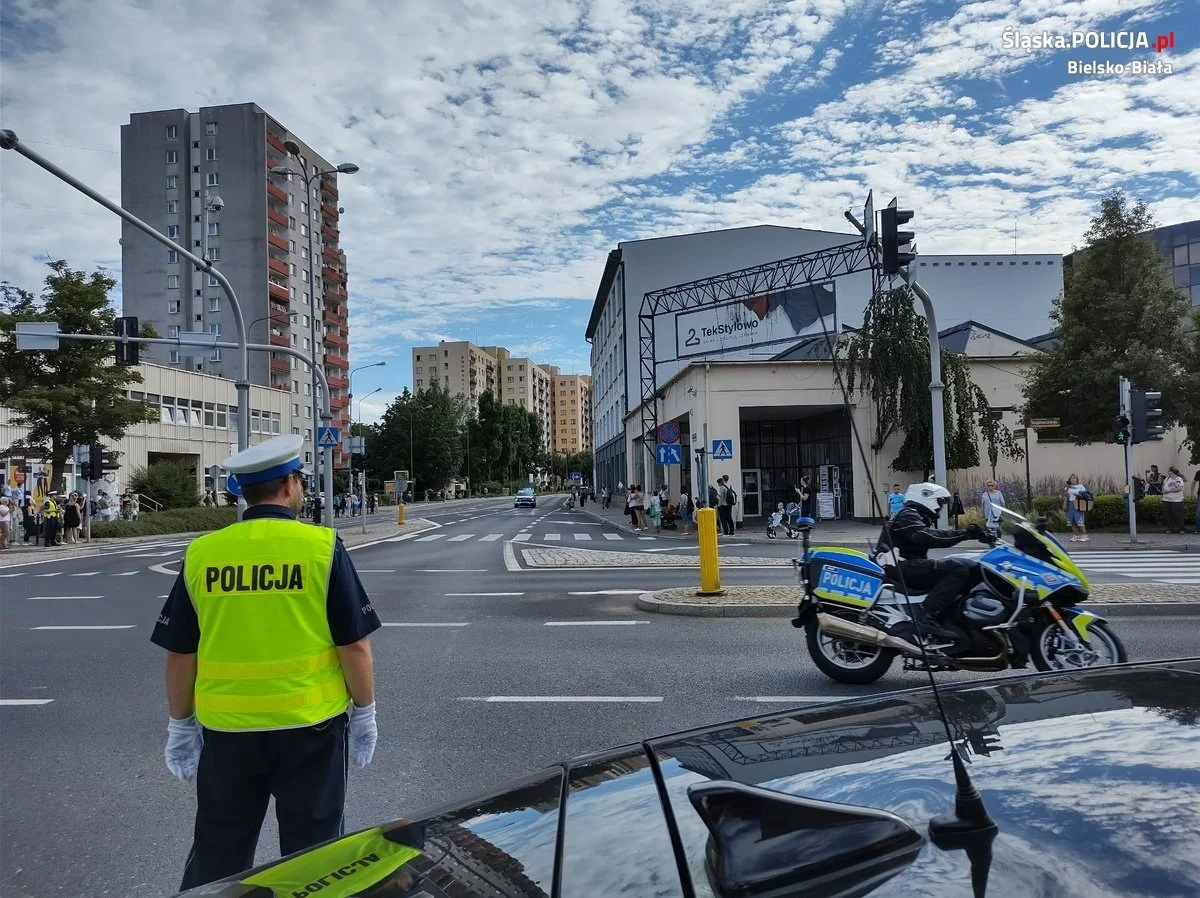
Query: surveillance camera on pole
895,246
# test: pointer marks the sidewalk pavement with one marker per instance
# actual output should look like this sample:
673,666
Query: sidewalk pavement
781,601
857,535
19,553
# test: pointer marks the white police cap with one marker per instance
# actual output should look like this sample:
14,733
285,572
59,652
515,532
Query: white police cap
269,460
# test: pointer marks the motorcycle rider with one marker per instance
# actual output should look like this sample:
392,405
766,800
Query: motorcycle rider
906,542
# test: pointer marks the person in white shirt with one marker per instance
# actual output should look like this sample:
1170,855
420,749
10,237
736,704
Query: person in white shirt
1075,513
993,501
1172,493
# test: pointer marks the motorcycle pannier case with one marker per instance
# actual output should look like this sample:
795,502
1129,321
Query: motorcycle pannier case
844,577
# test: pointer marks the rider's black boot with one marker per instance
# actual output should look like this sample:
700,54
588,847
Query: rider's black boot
931,626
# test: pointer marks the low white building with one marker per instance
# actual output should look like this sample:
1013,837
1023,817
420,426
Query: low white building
197,428
784,418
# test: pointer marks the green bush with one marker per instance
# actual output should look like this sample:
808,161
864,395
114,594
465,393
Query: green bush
1111,512
178,520
169,484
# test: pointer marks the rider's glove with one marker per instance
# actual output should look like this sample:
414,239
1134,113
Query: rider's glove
974,531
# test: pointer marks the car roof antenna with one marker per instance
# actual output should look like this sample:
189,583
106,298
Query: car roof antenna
970,827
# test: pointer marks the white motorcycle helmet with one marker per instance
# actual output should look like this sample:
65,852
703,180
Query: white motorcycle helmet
931,496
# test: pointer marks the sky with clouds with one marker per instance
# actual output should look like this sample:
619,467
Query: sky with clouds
507,145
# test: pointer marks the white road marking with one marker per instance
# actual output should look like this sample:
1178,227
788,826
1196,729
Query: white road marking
162,568
646,537
672,549
392,624
132,573
53,598
491,537
55,574
609,592
510,555
88,574
25,701
376,571
430,538
469,594
552,537
451,570
593,623
551,699
156,554
12,575
613,536
82,627
461,538
583,537
792,699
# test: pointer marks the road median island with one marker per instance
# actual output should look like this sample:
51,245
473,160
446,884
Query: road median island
781,601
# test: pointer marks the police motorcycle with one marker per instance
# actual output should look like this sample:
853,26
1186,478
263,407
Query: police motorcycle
1024,605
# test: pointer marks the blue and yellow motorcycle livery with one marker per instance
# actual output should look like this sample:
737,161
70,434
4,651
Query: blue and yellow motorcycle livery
1023,604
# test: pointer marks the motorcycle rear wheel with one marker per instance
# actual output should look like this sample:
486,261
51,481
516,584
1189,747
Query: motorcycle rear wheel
846,661
1052,651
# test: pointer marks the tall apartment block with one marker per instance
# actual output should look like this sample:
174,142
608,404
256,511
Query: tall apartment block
572,413
464,369
203,178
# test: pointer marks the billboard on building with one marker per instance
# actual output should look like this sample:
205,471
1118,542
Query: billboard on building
761,320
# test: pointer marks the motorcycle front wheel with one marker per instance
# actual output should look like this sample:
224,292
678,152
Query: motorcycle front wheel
1053,650
845,661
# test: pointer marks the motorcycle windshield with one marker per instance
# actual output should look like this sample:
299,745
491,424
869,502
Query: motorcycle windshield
1053,548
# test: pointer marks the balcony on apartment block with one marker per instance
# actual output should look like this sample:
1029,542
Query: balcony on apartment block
336,340
329,188
280,340
331,233
278,217
277,142
330,253
338,402
330,317
330,210
280,366
278,241
277,266
337,382
278,291
337,361
330,273
278,315
277,193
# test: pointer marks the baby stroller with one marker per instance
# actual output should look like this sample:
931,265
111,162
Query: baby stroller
670,517
785,518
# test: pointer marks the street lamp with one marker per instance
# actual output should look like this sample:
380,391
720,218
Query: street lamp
362,495
346,168
350,394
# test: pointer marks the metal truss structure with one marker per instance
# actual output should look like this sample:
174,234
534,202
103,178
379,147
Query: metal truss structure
861,254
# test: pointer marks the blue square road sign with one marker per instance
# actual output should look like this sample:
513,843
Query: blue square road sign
327,438
669,453
722,450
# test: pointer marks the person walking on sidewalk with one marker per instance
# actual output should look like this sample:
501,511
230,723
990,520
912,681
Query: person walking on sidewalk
1078,504
6,519
728,499
686,510
1173,500
993,501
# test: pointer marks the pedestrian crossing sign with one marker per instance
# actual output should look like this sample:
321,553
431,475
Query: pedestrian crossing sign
722,450
327,437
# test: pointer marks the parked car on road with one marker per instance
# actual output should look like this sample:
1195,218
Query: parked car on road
1090,777
525,498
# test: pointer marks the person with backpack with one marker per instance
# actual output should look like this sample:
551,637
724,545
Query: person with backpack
686,510
728,498
1079,502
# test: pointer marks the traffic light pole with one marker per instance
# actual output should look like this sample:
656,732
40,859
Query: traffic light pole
1125,399
10,141
937,389
322,382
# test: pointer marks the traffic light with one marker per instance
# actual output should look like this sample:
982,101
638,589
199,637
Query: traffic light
95,465
1144,409
1122,429
127,353
894,244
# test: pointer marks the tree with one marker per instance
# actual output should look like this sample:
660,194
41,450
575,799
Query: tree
422,433
1119,315
172,485
74,394
888,360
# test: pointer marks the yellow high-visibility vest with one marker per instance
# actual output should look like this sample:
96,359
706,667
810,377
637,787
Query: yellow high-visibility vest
50,509
266,659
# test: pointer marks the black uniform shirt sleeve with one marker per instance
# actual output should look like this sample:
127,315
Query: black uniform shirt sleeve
178,629
351,615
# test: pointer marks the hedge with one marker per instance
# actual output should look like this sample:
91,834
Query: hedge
1112,512
175,520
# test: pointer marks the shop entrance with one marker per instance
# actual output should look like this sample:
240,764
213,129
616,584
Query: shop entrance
751,493
782,444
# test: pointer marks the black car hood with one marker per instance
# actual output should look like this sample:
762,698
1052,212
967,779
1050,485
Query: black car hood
1092,777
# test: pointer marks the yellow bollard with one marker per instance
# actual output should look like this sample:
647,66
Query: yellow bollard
400,510
710,569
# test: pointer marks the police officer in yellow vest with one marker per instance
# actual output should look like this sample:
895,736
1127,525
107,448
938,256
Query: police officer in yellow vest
51,518
269,674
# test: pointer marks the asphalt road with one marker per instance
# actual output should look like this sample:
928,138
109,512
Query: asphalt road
483,673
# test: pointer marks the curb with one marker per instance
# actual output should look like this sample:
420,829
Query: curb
647,602
100,546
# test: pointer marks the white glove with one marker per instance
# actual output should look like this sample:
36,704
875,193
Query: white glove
363,734
185,739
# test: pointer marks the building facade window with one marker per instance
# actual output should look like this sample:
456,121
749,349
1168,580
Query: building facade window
172,207
212,281
213,179
214,229
172,331
172,157
210,128
214,253
172,282
211,154
172,180
173,307
172,257
173,357
172,132
173,231
214,303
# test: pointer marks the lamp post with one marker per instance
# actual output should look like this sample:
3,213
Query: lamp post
345,168
10,141
350,394
362,495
